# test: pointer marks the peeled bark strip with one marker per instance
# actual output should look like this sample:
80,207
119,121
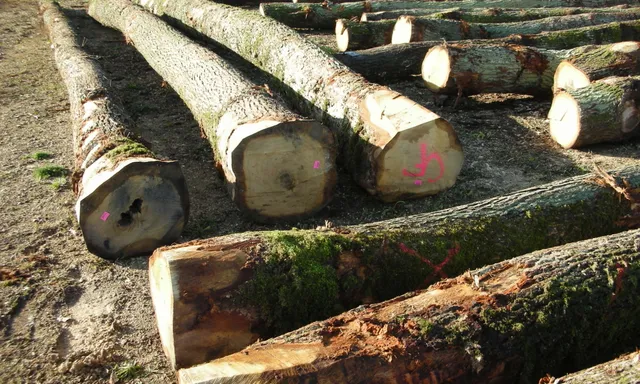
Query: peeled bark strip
215,297
605,111
549,311
625,369
409,29
394,148
352,35
129,202
278,165
621,59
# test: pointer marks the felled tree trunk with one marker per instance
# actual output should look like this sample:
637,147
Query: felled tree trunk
501,15
394,148
277,164
129,201
324,15
596,62
215,297
512,322
605,111
410,29
352,35
625,369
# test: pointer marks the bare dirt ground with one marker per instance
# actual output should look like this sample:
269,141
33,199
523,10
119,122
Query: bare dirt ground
67,316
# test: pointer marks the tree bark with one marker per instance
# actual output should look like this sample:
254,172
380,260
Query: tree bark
605,111
352,35
593,63
409,29
324,16
625,369
382,134
214,297
254,136
129,201
512,322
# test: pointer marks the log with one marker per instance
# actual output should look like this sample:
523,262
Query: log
402,61
324,15
625,369
621,59
129,201
215,297
409,29
383,135
603,112
254,136
353,35
549,311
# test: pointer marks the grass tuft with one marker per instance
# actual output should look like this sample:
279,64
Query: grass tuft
49,172
40,156
128,370
59,183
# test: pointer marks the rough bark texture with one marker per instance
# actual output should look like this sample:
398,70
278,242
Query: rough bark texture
215,297
129,201
625,369
254,137
382,134
551,311
402,61
324,16
597,62
605,111
410,29
352,35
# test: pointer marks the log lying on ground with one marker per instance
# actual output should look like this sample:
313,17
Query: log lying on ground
324,16
409,29
129,202
402,61
352,35
605,111
625,369
214,297
549,311
621,59
383,135
278,165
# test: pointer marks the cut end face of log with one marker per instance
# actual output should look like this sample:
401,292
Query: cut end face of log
342,36
568,77
421,154
132,209
564,120
283,170
436,68
403,30
627,47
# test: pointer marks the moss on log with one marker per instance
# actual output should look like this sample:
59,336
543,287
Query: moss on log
254,136
605,111
217,296
550,311
129,201
623,370
353,35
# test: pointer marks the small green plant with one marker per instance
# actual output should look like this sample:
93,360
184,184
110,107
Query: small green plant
128,370
40,156
425,327
59,183
49,172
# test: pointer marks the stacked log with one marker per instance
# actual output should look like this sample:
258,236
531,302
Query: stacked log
394,148
605,111
254,136
129,200
217,296
550,311
625,369
593,63
352,35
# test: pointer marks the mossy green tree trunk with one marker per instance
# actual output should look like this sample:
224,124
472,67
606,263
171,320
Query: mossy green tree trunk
352,35
254,136
550,311
625,369
129,201
214,297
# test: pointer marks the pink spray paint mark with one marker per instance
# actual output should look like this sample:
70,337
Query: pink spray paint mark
418,182
105,216
425,159
316,164
437,269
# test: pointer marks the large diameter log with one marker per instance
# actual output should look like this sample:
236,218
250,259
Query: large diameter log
324,15
550,311
410,29
625,369
277,164
621,59
393,147
353,35
129,201
501,15
605,111
217,296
